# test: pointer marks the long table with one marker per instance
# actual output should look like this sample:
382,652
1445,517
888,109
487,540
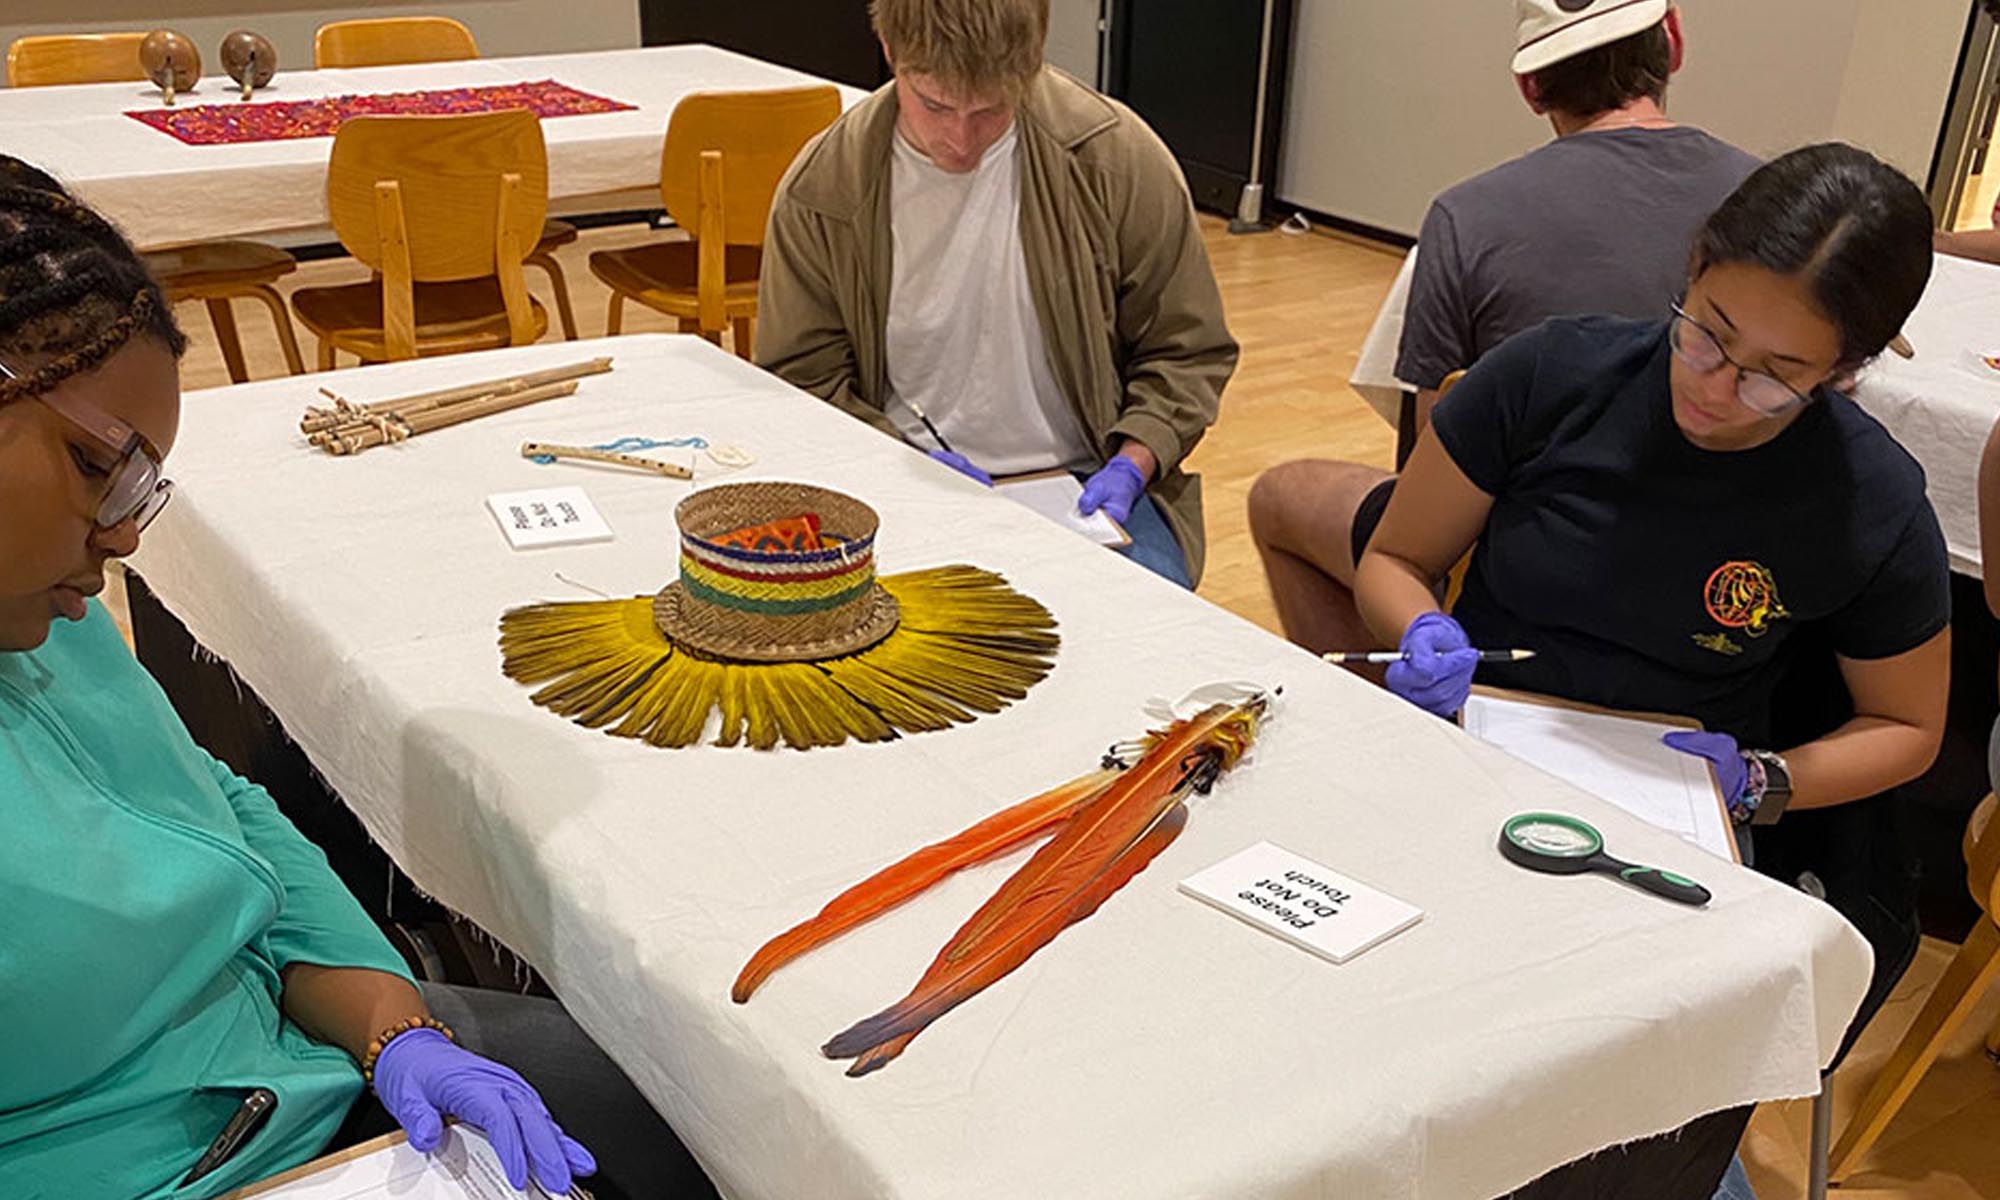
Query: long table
161,191
1942,403
1159,1048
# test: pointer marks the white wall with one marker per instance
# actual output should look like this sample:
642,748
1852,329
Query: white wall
1073,37
1394,100
502,27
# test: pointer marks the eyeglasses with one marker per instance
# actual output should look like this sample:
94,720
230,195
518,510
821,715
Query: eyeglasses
1761,392
135,490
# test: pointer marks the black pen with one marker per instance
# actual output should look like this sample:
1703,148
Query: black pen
254,1111
942,444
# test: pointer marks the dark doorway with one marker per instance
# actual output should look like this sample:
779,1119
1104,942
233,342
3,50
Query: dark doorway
828,38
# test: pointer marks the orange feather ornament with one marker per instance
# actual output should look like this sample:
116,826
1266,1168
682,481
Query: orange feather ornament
1109,826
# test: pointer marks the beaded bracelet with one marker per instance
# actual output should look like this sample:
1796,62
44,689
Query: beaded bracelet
1755,781
381,1041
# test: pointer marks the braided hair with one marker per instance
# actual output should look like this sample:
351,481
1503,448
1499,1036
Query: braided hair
72,289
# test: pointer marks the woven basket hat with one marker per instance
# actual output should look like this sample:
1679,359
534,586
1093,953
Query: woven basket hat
791,638
775,603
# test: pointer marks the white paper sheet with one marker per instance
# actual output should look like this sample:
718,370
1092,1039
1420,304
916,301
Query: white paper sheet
1617,759
464,1167
1055,497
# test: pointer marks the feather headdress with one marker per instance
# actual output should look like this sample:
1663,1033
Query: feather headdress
779,630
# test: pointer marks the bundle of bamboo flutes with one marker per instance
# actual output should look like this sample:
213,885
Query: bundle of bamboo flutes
349,428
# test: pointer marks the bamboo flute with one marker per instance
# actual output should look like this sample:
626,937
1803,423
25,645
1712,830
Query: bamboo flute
394,428
346,413
607,457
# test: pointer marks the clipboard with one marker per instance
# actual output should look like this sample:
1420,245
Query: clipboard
1050,501
309,1169
305,1172
1537,700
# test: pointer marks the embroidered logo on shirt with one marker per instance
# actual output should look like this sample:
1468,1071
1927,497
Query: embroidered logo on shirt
1718,642
1740,595
1743,595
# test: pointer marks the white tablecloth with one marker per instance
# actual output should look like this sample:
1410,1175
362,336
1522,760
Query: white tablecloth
161,190
1942,404
1159,1048
1374,378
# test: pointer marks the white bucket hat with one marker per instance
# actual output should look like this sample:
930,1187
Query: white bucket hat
1552,30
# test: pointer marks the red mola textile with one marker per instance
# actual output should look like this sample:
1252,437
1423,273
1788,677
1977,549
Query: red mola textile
224,124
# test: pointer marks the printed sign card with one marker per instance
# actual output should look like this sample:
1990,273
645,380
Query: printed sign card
560,516
1308,905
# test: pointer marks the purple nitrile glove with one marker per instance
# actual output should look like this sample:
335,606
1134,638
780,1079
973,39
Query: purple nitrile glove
422,1077
1732,773
1437,677
1115,489
963,465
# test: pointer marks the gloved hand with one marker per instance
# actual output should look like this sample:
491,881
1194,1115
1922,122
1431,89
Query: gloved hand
1732,773
1437,677
963,465
1115,489
423,1077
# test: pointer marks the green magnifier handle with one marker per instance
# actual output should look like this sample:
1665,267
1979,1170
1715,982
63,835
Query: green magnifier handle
1660,883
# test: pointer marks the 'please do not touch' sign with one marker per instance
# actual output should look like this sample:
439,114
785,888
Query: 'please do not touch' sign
1310,906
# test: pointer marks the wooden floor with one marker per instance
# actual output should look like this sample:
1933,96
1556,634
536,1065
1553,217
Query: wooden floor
1300,305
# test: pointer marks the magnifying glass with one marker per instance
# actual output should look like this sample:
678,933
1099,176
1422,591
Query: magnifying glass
1560,845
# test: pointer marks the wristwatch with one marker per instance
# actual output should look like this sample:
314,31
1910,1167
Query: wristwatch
1769,790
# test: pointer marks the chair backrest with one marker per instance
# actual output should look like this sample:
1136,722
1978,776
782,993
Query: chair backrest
386,41
1982,857
74,58
448,171
758,134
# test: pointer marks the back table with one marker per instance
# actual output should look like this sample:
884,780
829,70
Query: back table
1159,1048
161,191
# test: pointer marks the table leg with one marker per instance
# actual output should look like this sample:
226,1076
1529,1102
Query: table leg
1822,1139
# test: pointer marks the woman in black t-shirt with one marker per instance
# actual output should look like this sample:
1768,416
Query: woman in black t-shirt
1667,513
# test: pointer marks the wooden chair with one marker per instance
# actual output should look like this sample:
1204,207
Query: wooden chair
214,272
1958,991
74,58
444,209
389,41
719,170
384,41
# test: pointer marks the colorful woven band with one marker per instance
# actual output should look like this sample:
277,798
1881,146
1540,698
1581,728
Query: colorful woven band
771,600
783,560
764,567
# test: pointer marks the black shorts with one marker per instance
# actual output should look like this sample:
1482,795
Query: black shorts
1369,515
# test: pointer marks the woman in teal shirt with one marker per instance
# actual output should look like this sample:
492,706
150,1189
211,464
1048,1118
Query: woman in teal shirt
169,943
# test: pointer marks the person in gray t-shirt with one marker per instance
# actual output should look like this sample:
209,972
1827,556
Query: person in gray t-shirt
1596,222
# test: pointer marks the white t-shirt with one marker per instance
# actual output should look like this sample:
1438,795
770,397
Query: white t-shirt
963,340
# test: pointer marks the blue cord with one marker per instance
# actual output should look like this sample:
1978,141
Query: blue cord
626,445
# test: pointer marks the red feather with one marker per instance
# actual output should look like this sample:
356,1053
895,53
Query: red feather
1098,850
952,981
900,880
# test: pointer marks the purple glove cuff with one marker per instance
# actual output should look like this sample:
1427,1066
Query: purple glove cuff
1436,675
1115,488
1740,787
963,465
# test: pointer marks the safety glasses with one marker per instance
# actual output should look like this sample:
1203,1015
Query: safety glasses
1761,392
135,489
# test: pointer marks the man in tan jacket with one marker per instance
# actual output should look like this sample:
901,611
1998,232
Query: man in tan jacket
1002,267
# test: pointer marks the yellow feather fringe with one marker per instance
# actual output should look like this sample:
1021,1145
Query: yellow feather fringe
967,644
